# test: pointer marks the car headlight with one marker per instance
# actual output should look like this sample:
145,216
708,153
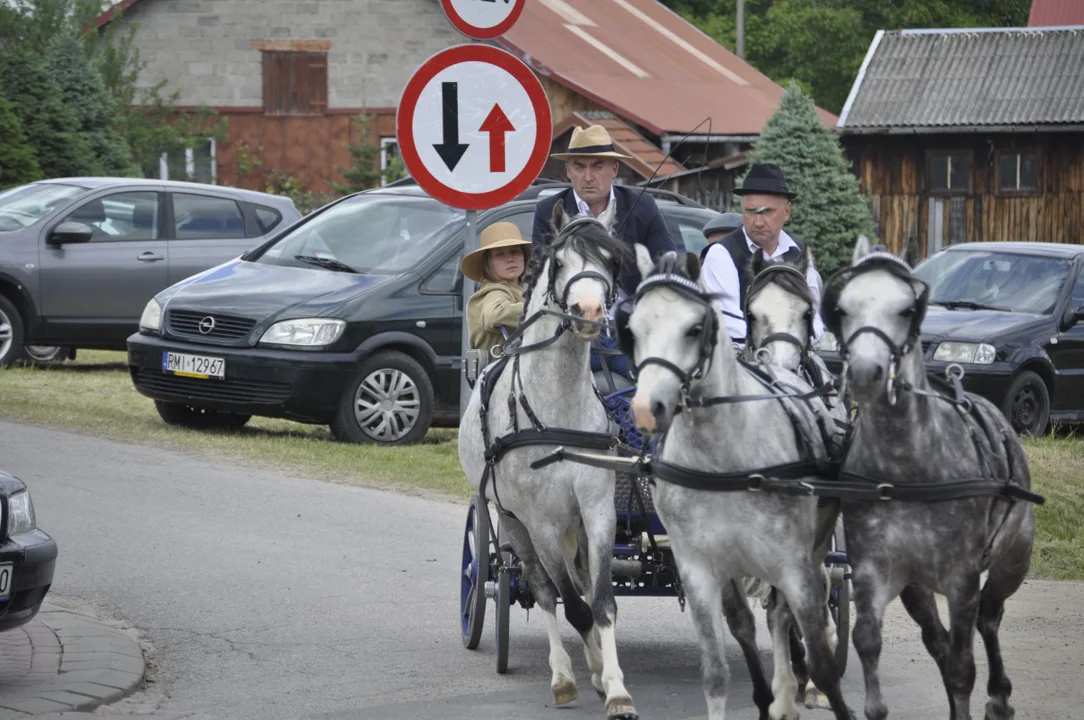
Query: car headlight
151,319
828,342
20,516
306,332
960,352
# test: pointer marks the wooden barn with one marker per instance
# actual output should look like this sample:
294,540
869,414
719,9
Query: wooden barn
970,135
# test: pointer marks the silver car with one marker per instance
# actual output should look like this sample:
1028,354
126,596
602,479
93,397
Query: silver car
80,257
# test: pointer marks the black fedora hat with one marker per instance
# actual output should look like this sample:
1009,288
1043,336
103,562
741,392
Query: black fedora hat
765,179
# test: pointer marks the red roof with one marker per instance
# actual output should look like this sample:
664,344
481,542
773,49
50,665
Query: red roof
1056,13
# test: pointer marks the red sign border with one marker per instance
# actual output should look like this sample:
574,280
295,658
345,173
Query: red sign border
404,126
478,33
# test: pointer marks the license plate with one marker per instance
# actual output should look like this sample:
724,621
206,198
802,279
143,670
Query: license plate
7,570
193,366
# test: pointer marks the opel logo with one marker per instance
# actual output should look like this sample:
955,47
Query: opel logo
206,325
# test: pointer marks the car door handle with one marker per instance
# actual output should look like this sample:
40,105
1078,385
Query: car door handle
150,257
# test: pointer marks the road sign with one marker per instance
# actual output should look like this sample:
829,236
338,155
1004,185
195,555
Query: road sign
483,19
474,126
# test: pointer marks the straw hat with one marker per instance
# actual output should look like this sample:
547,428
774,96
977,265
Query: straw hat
592,142
497,235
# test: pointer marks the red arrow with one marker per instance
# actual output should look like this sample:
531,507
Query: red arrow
496,124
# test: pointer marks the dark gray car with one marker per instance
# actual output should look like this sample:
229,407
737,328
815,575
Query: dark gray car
80,257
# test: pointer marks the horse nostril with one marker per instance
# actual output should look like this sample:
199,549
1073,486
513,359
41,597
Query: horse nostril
878,373
658,410
576,310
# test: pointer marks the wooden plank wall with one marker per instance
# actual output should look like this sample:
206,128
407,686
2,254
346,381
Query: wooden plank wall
892,172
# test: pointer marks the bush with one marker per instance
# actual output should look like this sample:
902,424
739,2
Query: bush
18,165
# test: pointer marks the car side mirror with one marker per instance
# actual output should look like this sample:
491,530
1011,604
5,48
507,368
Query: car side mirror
70,232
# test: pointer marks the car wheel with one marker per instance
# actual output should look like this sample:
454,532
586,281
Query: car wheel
199,418
388,402
1027,404
12,349
45,354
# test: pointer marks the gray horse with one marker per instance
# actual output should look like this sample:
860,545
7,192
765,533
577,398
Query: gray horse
907,433
553,510
677,337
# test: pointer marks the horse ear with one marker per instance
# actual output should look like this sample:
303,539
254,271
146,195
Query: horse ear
861,249
559,219
758,262
643,260
692,266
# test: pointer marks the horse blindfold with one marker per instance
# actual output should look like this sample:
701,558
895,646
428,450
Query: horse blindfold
833,318
682,285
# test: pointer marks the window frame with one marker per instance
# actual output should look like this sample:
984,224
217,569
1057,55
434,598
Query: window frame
968,154
1019,152
171,218
159,218
190,164
289,89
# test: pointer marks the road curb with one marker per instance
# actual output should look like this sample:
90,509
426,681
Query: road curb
62,661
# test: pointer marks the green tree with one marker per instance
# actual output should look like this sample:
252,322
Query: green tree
364,171
830,211
17,162
84,91
51,126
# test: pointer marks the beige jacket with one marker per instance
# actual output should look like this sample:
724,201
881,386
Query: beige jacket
494,305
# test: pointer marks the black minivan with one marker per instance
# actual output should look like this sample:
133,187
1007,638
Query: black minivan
351,317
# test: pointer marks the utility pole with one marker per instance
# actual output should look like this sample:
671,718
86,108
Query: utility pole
741,29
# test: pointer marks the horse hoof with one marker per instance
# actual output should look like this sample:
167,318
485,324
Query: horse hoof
999,710
816,699
621,709
564,693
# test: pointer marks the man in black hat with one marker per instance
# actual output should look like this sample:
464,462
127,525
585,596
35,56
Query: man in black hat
766,208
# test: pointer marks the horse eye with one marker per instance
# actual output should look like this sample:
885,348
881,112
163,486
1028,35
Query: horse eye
909,312
695,331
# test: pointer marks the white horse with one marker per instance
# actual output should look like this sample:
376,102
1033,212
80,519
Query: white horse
547,392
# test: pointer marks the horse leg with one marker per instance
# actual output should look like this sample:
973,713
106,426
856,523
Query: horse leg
871,595
784,684
563,682
742,624
600,526
806,595
813,697
577,561
960,664
1003,581
922,607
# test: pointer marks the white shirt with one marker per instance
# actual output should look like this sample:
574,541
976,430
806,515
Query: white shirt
721,276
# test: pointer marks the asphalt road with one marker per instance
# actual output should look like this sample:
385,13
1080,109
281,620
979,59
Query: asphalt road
269,596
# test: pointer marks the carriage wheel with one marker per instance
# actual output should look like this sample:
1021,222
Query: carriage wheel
839,599
504,602
474,573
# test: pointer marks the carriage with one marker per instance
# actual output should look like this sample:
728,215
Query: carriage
643,563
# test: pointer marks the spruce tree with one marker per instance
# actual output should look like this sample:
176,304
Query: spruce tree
17,162
830,211
51,126
84,91
364,170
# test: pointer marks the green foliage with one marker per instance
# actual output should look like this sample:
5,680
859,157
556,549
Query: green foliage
364,171
84,91
51,126
830,210
396,169
32,24
821,43
18,165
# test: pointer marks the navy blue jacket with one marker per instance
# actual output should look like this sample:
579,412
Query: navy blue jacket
645,225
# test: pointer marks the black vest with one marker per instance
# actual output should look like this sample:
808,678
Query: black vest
738,248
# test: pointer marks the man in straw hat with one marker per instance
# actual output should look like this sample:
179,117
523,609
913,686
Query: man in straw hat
498,265
765,198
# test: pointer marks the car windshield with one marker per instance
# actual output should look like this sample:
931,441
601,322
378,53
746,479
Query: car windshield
22,207
370,233
979,279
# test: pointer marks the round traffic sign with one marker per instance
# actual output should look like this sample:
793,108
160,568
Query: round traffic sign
483,19
474,126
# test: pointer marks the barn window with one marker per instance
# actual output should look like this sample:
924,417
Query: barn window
294,83
1018,171
949,172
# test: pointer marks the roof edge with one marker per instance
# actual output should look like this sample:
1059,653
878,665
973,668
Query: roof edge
110,13
950,129
858,80
964,31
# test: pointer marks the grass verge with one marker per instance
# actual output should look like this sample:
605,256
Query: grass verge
94,395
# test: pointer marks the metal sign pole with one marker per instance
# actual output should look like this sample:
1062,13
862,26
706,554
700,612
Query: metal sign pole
471,243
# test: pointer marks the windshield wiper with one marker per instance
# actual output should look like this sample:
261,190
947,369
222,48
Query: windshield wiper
326,263
964,305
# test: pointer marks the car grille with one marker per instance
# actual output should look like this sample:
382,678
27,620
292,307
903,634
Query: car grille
187,324
228,390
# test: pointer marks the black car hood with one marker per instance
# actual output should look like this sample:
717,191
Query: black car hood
973,325
258,290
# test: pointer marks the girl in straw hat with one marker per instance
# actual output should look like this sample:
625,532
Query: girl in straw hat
499,265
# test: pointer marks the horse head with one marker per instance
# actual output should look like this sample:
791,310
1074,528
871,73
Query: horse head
779,309
670,335
875,308
579,271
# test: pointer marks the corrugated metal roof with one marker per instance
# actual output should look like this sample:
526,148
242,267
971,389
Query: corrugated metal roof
645,63
1056,13
929,79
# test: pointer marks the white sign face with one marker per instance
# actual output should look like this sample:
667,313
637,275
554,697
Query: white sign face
483,19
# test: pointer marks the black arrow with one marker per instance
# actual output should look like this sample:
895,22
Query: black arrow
451,150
